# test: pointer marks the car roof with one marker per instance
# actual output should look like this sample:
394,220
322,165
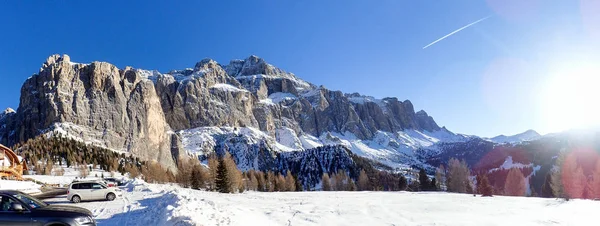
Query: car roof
10,192
85,181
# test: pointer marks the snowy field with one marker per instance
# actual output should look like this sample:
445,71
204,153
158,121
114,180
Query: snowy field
149,204
24,186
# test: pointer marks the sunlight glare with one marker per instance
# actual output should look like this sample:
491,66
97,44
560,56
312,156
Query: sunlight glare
571,97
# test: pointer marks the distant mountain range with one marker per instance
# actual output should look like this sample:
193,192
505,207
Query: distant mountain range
528,135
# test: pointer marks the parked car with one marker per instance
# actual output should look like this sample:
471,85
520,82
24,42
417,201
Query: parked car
114,181
18,208
92,191
96,180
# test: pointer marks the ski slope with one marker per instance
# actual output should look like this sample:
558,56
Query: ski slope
150,204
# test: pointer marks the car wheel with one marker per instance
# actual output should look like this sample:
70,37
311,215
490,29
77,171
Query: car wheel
76,199
111,197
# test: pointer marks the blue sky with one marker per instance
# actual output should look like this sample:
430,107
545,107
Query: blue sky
484,80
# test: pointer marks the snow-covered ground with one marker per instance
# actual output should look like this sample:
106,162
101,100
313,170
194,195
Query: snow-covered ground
24,186
70,175
150,204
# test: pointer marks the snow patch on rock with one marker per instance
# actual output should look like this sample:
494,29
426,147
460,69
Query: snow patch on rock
227,88
278,97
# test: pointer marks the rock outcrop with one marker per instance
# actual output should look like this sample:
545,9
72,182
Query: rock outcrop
7,120
99,103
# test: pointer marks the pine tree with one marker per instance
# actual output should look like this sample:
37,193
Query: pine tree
515,183
478,188
577,187
440,174
184,175
133,171
222,178
402,183
469,187
484,186
574,181
234,174
213,165
260,178
271,180
83,171
434,185
290,183
363,181
458,177
334,182
49,167
556,176
595,182
547,191
424,182
253,181
282,183
414,186
341,181
198,176
299,186
326,183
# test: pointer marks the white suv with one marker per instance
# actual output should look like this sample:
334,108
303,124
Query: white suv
89,191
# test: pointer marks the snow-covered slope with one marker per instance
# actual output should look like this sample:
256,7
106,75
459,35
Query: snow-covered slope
396,150
150,204
528,135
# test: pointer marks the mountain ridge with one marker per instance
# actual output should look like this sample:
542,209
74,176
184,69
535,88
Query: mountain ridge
165,116
528,135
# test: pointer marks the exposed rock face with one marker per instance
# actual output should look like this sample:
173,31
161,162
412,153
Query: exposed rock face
117,108
425,121
204,96
135,110
7,120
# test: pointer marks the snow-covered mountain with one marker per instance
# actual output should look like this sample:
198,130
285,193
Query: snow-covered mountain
267,118
528,135
214,108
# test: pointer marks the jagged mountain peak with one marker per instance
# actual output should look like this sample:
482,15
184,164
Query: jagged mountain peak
206,64
421,112
56,58
254,65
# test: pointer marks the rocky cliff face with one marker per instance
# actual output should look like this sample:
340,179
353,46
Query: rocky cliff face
96,102
7,120
143,112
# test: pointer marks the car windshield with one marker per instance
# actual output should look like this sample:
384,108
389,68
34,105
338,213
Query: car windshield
30,200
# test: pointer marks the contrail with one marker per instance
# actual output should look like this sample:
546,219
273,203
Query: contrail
454,32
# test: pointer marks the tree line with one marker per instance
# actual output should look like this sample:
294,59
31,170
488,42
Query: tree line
576,175
47,154
222,175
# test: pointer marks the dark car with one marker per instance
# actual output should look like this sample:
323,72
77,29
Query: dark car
115,181
19,209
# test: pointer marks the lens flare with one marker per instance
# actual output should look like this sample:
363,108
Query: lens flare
514,10
590,16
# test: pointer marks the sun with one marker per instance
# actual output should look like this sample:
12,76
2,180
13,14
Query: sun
570,98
